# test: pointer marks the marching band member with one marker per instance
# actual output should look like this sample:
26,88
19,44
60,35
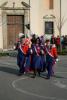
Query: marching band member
22,50
50,60
36,58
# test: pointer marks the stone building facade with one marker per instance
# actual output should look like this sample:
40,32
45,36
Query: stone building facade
42,15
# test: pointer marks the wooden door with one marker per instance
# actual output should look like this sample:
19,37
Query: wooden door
15,25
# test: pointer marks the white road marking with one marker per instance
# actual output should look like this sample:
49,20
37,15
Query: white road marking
30,93
60,84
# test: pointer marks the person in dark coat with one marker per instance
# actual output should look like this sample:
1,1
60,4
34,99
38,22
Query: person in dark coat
28,57
43,56
50,61
22,50
36,58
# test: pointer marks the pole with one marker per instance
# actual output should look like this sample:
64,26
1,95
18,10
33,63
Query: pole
60,27
29,12
24,24
29,17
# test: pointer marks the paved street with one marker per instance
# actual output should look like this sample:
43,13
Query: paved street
14,87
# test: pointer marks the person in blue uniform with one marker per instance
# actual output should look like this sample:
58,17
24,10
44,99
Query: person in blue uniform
43,56
49,59
20,61
36,58
28,57
22,50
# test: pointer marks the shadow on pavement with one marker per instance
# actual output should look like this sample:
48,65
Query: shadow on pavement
43,75
15,72
57,76
9,70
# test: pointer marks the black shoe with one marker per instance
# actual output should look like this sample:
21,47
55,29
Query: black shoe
47,77
20,74
39,74
33,76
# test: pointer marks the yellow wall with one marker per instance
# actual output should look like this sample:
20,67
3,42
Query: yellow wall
38,9
1,35
34,16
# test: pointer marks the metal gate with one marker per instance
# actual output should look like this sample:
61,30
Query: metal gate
15,25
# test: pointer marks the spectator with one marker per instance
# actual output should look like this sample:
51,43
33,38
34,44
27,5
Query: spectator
65,40
58,42
62,42
53,39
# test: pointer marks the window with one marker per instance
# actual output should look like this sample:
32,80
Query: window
51,5
49,27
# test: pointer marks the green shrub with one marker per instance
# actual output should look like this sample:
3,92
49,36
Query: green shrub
4,54
64,52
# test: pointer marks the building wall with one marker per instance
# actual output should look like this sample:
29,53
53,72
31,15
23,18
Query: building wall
34,16
38,10
1,35
64,16
44,11
3,20
56,13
